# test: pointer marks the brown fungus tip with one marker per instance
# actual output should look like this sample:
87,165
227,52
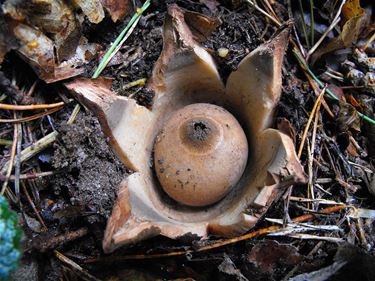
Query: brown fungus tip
200,154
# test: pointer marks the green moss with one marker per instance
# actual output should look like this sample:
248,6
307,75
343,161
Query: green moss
10,236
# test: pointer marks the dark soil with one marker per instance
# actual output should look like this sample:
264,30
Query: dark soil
92,171
81,195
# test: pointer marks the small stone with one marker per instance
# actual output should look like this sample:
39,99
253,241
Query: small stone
222,52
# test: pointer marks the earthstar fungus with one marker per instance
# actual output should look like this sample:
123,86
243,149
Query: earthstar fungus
185,76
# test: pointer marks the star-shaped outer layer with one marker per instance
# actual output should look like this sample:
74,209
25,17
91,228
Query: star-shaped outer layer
184,74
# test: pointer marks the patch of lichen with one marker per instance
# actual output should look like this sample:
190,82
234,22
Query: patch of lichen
10,236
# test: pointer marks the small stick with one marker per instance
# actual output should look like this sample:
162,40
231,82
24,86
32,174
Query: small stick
290,15
317,44
30,118
17,164
5,142
32,150
312,150
28,176
310,174
320,201
30,107
361,231
309,122
268,6
76,267
74,114
255,5
372,38
335,21
33,205
8,169
43,244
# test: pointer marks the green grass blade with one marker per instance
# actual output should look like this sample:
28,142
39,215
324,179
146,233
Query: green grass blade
106,57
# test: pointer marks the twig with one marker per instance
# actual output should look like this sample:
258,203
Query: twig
312,149
310,194
324,35
32,150
255,5
315,237
304,135
320,201
28,176
17,164
335,21
8,169
30,107
362,236
369,41
36,212
30,118
268,6
74,114
76,267
367,170
43,243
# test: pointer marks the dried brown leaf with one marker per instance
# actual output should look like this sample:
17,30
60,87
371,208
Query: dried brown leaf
117,8
93,9
348,118
352,8
269,255
349,35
